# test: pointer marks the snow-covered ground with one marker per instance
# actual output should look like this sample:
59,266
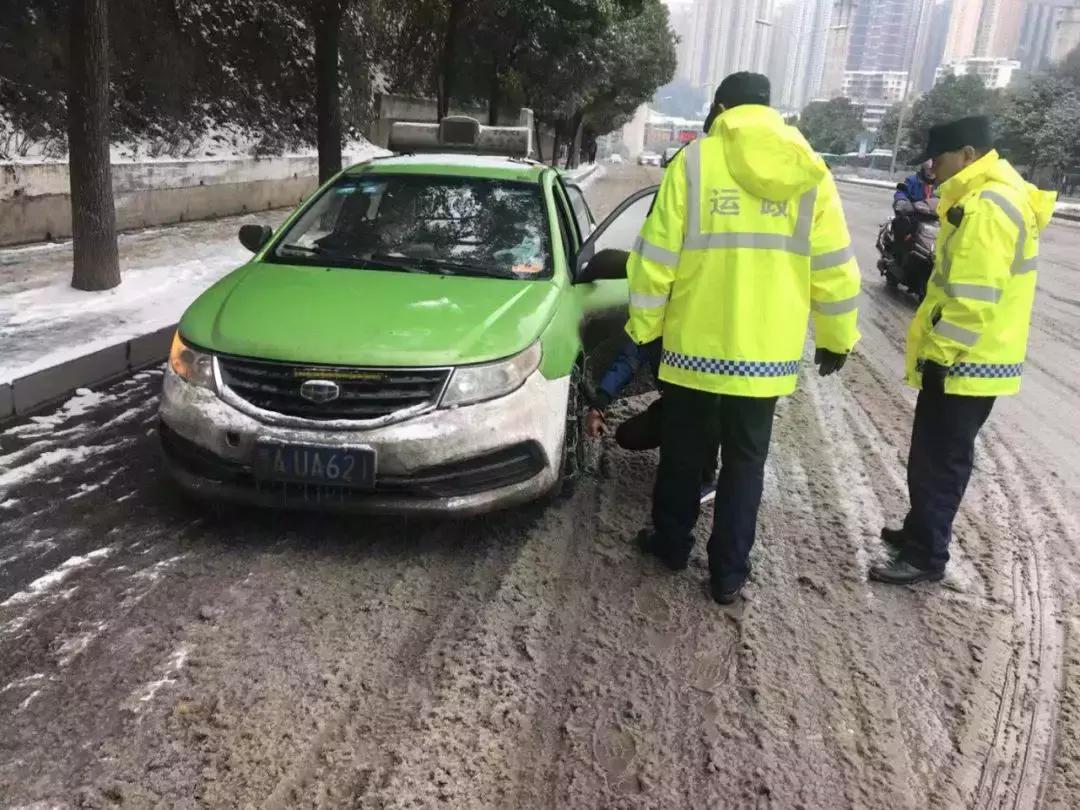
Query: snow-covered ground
44,322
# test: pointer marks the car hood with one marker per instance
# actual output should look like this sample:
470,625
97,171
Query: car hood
367,317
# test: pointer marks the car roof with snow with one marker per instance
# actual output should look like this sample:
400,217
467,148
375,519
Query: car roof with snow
491,167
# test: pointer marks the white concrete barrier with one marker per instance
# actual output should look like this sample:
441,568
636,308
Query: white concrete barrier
35,201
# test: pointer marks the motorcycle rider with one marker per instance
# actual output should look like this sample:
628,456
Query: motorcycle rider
919,187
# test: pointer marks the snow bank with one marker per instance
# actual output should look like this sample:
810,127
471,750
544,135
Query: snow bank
45,322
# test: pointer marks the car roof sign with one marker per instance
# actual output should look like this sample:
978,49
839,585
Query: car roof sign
460,133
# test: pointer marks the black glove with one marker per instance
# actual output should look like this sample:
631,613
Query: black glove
933,377
829,362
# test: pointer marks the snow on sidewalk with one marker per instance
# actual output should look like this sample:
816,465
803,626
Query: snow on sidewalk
44,322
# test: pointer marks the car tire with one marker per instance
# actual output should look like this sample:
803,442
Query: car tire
572,463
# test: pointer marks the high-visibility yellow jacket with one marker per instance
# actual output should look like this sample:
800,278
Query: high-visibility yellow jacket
745,238
977,311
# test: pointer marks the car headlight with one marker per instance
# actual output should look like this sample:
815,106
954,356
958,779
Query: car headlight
193,366
469,384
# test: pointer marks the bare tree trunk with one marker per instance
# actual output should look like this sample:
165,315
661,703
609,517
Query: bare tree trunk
557,143
449,66
574,150
539,140
494,94
326,19
93,214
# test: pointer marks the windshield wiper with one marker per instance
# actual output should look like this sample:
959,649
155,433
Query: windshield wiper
387,261
349,259
446,267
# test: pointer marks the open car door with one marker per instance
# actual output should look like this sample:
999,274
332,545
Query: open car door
600,281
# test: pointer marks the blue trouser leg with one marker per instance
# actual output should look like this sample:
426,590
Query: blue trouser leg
939,467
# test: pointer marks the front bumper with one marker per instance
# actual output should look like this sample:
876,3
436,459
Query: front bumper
464,461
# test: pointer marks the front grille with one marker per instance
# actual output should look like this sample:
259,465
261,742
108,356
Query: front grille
364,394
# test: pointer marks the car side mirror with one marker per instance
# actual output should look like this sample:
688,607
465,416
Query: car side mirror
255,237
607,265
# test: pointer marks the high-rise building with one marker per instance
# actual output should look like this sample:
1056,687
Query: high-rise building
963,29
728,36
1048,29
875,85
797,62
1066,35
1003,38
932,48
875,91
996,73
984,28
682,23
783,61
837,48
884,35
1037,36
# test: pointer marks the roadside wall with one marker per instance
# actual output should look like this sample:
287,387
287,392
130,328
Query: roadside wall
35,202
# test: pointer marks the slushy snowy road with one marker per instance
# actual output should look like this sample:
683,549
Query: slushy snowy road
156,654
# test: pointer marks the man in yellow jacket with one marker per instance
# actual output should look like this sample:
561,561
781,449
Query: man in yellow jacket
745,240
967,343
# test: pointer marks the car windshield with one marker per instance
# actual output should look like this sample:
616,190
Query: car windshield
426,224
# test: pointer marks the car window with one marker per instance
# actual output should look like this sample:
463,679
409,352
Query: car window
424,223
621,230
581,210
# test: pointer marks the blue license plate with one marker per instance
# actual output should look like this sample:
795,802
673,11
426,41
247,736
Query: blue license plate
352,467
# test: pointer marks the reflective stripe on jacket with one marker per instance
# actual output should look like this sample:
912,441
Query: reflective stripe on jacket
977,311
746,237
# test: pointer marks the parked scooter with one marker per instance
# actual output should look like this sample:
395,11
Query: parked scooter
906,248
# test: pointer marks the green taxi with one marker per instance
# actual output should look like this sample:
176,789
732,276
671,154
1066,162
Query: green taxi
414,339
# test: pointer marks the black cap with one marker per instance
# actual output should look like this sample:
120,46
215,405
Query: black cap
954,136
742,88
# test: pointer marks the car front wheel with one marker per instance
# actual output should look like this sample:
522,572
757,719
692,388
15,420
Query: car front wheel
572,463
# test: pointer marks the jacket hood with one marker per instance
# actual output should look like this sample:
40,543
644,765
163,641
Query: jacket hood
1042,202
767,157
992,168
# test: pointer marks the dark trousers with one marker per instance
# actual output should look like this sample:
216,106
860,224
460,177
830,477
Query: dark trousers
692,422
642,432
939,467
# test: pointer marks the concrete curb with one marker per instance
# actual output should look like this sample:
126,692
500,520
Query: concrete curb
1070,213
24,395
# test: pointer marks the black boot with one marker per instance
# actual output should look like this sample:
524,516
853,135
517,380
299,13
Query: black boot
650,544
723,597
901,572
895,539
